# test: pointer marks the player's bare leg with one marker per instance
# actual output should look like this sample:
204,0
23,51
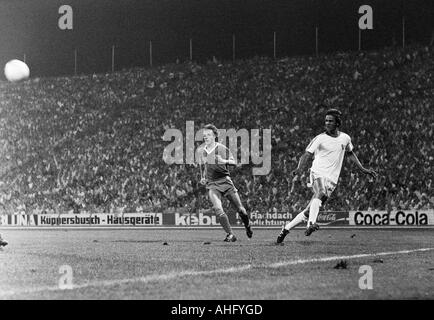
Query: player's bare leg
299,218
320,195
234,198
215,198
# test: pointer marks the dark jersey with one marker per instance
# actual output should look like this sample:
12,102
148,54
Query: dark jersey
214,170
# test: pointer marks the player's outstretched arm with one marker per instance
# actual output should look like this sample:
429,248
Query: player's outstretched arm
202,168
302,163
200,162
353,158
230,160
203,175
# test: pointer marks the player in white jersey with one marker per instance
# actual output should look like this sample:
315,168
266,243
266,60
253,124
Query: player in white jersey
328,150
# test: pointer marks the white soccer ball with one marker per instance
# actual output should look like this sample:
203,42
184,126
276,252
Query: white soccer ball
16,70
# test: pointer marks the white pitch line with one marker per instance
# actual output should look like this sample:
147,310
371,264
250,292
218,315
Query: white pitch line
146,279
355,256
174,275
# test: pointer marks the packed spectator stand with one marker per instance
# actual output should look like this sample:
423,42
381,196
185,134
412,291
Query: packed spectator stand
93,143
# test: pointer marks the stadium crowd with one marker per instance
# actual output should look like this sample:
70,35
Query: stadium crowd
93,143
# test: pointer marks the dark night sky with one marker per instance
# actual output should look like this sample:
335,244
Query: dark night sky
31,27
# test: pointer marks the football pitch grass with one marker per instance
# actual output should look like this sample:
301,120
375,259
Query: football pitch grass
197,264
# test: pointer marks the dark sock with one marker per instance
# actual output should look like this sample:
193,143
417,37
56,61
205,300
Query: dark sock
224,221
244,218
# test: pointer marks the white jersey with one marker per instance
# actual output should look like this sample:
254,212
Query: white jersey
329,154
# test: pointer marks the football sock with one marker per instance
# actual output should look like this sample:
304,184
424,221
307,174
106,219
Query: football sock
244,217
299,218
314,210
224,221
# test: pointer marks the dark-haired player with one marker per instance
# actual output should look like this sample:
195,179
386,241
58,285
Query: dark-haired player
216,159
328,150
2,242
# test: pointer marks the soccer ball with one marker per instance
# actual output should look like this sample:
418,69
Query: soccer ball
16,70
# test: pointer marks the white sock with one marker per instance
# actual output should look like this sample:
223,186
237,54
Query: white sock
314,210
299,218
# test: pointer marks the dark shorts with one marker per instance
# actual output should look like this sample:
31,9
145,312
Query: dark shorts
225,186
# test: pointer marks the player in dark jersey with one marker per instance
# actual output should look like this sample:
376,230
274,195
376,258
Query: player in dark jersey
2,242
216,158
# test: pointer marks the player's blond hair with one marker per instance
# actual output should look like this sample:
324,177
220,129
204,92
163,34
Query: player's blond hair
213,128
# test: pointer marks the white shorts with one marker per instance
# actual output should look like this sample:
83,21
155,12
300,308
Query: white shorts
329,185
